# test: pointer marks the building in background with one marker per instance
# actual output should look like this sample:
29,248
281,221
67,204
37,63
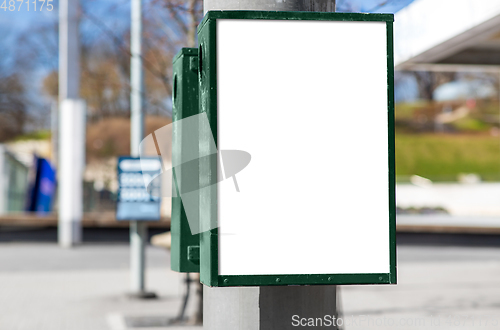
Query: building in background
448,35
13,182
461,151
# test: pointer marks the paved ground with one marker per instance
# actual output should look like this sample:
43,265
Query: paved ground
45,287
445,282
439,287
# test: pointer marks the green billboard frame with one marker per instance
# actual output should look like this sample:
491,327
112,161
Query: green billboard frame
209,254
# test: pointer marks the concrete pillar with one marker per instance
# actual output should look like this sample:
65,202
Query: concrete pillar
267,307
281,305
270,5
231,308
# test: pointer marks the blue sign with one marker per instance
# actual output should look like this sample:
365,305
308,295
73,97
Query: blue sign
42,189
139,192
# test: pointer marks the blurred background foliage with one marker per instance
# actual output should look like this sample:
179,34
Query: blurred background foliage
29,66
447,123
451,129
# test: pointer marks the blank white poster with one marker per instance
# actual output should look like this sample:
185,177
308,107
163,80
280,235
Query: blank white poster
308,101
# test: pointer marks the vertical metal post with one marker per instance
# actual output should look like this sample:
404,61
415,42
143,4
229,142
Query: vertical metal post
138,235
266,308
3,181
54,130
138,230
136,79
71,127
498,95
69,50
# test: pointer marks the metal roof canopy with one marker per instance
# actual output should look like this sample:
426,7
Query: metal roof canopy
449,35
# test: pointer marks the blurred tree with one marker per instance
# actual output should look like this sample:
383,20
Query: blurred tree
29,67
168,25
13,107
179,16
427,82
21,106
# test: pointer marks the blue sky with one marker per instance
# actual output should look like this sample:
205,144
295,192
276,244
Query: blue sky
378,6
116,15
15,21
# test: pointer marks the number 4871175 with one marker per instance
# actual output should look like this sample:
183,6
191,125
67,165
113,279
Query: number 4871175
12,5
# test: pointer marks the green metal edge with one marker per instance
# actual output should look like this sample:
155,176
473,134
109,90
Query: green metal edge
183,106
303,279
392,152
209,242
176,254
185,52
295,15
209,272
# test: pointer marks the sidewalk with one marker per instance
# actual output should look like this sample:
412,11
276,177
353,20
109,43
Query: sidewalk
448,224
45,287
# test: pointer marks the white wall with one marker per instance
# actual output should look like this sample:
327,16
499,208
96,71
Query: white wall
481,199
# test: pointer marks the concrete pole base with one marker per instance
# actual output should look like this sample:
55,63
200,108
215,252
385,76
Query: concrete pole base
268,307
142,295
69,233
231,308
